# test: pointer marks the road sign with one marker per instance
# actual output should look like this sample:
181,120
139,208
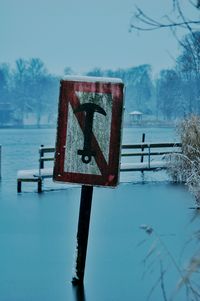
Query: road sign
89,131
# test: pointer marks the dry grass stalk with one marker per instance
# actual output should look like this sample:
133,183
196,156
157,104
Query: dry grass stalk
160,251
185,167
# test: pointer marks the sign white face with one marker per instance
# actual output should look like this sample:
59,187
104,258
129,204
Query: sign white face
89,131
75,137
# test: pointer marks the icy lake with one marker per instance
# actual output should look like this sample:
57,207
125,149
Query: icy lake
140,233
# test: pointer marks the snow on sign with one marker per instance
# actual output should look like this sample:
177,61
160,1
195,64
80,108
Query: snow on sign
89,131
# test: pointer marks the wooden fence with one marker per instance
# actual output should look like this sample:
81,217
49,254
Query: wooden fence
146,151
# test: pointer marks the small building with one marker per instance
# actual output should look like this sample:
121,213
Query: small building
136,116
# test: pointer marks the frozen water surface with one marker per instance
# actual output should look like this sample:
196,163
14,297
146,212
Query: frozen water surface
38,231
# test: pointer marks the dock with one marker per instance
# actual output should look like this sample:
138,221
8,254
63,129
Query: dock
146,152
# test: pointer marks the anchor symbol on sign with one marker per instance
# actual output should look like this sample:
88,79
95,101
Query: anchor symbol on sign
89,108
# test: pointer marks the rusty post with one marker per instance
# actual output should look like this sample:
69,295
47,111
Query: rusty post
82,233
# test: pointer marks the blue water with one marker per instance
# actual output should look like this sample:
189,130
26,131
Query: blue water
38,231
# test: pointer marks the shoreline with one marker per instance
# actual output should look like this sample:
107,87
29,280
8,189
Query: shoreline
141,125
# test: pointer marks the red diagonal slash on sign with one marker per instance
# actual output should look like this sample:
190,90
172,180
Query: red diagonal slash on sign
99,157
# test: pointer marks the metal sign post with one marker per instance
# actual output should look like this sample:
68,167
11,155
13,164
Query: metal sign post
82,233
88,144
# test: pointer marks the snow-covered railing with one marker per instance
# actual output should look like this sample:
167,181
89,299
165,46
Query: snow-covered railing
43,150
39,174
148,150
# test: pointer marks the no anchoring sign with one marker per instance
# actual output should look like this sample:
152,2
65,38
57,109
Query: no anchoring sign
88,145
89,131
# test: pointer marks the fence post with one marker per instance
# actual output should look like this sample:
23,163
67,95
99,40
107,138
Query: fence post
149,153
142,149
41,163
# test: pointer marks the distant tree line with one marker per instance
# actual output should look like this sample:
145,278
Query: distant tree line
175,93
26,89
177,89
139,93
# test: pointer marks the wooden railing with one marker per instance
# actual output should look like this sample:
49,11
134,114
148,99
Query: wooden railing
50,149
128,150
146,150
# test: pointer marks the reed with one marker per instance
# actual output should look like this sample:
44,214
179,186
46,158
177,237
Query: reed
160,258
185,167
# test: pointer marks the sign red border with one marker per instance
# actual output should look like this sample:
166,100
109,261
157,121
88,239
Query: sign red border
109,171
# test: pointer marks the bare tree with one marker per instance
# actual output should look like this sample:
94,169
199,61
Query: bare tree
144,22
34,91
188,66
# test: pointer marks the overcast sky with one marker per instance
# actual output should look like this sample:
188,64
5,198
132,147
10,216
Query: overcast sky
83,34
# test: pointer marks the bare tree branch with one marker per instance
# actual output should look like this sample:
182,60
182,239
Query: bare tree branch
183,17
143,22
